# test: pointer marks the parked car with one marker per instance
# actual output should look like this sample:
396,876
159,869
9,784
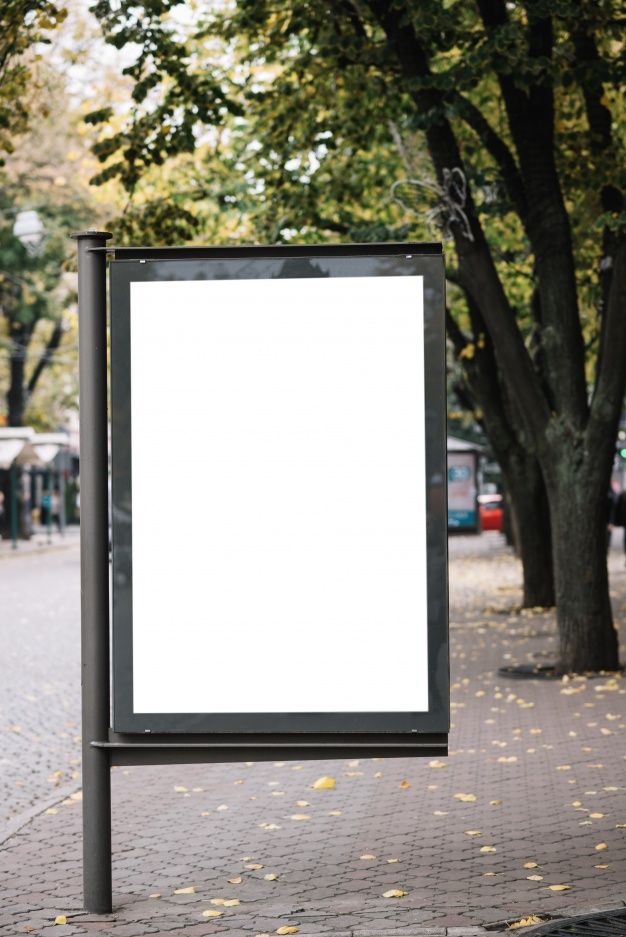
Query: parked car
491,512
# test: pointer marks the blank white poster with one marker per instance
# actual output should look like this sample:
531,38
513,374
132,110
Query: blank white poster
278,496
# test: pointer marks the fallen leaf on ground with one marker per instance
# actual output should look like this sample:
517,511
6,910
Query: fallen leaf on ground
472,832
488,849
325,783
526,922
394,893
601,846
253,866
270,877
300,816
535,878
235,881
437,764
212,913
231,902
287,930
303,803
60,919
404,784
465,798
531,865
157,894
189,890
559,887
367,855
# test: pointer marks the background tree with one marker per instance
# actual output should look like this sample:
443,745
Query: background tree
528,92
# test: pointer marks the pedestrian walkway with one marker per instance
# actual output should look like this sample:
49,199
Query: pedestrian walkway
41,542
525,819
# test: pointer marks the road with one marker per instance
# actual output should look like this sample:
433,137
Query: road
39,682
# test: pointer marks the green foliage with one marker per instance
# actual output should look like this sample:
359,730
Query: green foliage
24,24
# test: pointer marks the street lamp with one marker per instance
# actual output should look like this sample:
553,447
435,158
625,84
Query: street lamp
29,230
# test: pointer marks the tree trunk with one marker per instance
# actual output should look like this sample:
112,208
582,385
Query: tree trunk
587,637
529,502
16,395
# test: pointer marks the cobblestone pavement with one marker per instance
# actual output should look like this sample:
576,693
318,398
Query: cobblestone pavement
40,679
526,817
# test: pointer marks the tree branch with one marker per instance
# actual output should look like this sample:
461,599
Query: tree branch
46,356
609,393
495,145
476,265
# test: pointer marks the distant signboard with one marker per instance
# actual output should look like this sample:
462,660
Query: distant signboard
300,583
462,490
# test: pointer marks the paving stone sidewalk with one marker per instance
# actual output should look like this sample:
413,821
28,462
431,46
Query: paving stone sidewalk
526,817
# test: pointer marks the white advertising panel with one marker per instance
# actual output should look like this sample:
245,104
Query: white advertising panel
278,495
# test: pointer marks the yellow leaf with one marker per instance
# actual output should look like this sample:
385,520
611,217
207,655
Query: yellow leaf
218,901
394,893
468,351
392,861
212,913
535,878
231,902
323,784
180,789
559,887
465,798
303,803
300,816
334,813
604,866
531,865
156,894
601,846
190,890
367,855
472,832
596,816
60,919
235,881
270,877
488,849
254,866
526,922
287,930
437,764
404,784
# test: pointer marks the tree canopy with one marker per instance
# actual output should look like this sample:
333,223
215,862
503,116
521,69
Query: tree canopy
329,113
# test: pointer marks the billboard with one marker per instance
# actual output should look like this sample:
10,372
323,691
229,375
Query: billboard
278,440
462,491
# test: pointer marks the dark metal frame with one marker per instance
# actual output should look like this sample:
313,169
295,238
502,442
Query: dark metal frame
344,261
103,747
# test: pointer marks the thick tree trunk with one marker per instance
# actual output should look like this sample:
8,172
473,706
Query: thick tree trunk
533,533
587,637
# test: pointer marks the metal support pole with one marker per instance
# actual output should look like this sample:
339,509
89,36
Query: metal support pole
94,556
49,488
62,494
13,506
